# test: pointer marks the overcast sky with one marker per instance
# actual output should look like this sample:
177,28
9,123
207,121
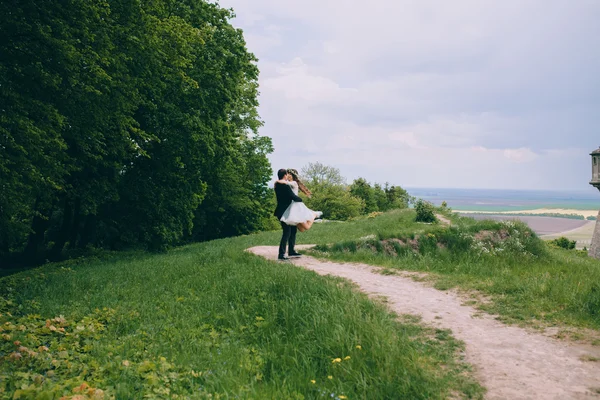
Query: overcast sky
423,93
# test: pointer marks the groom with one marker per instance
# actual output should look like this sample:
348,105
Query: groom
285,196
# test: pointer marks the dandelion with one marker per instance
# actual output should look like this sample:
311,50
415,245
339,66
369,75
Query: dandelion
313,381
347,358
358,346
336,360
342,397
329,377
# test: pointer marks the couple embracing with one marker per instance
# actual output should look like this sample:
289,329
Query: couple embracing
291,211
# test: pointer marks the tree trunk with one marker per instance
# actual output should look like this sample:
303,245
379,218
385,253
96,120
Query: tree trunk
75,225
34,251
89,230
63,233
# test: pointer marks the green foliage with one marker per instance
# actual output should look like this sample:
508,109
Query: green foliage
396,197
564,243
126,124
507,239
318,175
362,189
377,198
591,218
341,202
425,211
336,202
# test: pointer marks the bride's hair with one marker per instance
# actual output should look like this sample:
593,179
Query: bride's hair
301,185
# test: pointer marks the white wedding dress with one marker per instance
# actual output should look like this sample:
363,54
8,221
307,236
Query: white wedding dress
297,212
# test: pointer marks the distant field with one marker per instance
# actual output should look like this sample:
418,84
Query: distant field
551,227
540,225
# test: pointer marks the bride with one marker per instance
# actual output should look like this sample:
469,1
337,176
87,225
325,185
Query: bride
297,213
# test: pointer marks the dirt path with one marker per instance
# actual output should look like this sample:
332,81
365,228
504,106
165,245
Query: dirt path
511,362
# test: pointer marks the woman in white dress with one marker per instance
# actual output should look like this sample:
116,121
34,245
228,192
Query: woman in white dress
297,213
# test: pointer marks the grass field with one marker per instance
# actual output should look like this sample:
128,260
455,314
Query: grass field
212,321
526,280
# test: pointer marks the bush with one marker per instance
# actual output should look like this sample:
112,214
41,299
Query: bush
336,203
425,211
591,218
564,243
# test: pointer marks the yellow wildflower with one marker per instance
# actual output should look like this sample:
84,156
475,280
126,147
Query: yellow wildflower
358,346
347,358
313,381
341,396
336,360
330,377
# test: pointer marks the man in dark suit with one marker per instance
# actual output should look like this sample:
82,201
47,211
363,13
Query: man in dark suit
285,196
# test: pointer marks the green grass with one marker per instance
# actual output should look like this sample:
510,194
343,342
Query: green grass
212,321
530,283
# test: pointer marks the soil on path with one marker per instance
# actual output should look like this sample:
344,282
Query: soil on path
511,362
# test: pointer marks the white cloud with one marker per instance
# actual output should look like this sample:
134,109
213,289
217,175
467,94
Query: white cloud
461,93
295,81
520,155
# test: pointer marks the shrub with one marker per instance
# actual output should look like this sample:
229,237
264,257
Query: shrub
336,203
591,218
564,243
374,214
425,211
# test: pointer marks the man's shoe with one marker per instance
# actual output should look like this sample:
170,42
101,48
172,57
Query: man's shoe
283,258
294,254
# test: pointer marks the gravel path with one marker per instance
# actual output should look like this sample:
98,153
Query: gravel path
511,362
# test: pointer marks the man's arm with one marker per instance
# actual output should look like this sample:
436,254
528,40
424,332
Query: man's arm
291,194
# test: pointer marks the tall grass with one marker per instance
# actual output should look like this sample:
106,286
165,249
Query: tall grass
527,280
212,321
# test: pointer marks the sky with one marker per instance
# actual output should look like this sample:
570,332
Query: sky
430,93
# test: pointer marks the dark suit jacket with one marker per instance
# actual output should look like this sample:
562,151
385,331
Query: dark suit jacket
285,196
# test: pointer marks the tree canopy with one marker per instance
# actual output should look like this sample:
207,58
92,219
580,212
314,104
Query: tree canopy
340,201
126,123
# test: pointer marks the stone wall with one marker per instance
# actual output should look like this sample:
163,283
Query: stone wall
595,247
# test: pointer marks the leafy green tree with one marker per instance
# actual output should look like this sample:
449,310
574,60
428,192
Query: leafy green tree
381,198
397,197
362,189
318,175
126,123
336,202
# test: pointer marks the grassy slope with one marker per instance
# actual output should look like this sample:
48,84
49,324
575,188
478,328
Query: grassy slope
558,287
210,321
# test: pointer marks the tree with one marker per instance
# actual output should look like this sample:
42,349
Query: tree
319,175
126,123
336,202
362,189
397,197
